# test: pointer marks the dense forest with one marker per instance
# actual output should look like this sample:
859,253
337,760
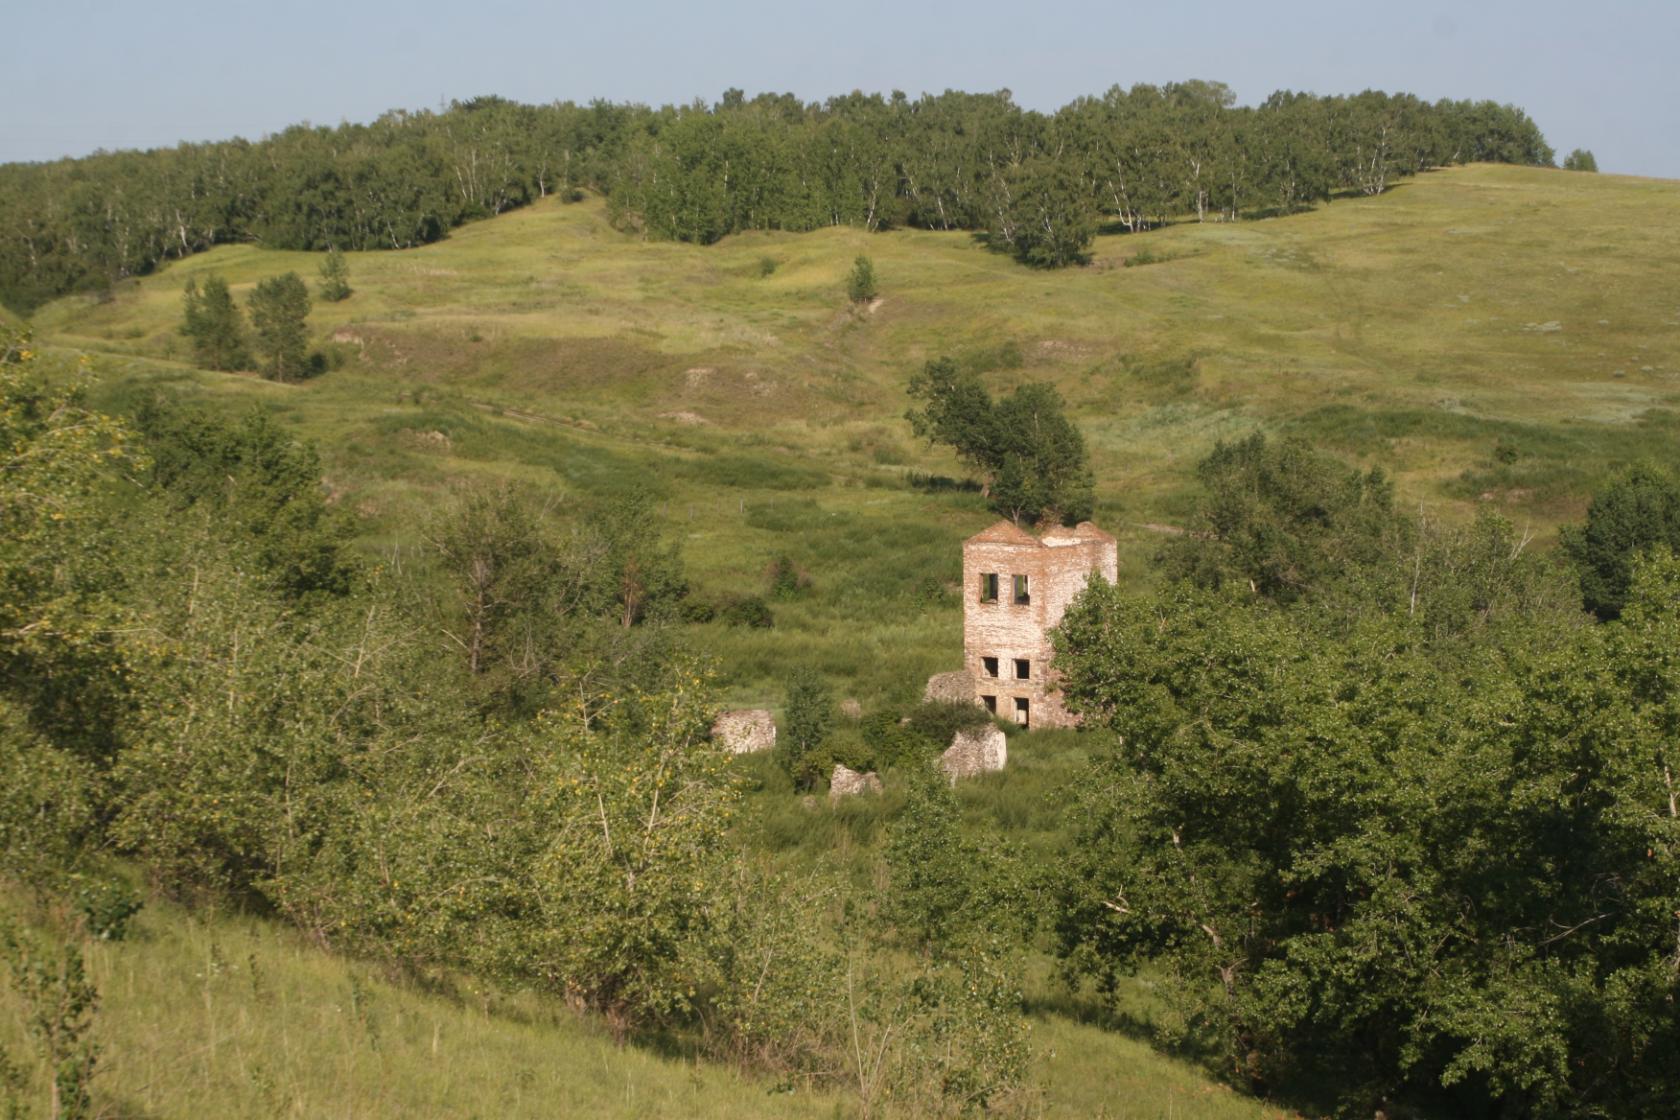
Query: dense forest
1035,185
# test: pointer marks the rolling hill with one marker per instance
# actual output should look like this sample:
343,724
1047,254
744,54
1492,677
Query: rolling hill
1490,335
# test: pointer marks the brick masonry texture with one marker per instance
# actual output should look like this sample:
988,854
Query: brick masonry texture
1057,566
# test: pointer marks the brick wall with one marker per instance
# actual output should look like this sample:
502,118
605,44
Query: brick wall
1056,567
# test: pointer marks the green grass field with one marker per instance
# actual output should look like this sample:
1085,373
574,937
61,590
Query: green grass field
1490,335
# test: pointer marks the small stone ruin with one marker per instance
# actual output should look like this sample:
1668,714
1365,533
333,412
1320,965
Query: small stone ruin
745,730
845,782
950,688
980,750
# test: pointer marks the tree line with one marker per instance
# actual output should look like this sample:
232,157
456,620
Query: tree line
1035,185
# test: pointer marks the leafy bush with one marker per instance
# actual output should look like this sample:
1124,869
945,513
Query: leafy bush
746,610
107,905
808,715
938,720
786,579
1580,160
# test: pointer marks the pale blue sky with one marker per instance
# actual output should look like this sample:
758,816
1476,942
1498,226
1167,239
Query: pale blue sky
84,74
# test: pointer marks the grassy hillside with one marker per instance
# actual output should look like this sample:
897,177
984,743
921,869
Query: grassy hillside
1489,334
1492,335
236,1017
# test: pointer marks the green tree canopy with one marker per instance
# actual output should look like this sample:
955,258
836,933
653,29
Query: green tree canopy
212,321
1030,456
1284,519
860,282
1580,160
279,306
335,276
1366,871
1635,511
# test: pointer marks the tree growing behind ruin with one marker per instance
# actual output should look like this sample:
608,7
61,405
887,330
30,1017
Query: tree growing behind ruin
1030,456
1283,519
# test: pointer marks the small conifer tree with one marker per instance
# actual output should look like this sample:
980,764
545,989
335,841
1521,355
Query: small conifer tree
278,308
212,321
860,283
335,276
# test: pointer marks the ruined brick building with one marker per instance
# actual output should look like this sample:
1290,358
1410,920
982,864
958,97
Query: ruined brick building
1015,588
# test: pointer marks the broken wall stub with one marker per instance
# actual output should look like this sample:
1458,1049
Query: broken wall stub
745,730
950,688
846,782
1016,587
979,750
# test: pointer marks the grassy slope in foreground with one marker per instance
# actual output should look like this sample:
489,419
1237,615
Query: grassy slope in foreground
232,1017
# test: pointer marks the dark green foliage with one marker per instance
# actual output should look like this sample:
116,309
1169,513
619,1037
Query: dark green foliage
279,306
786,579
63,601
251,479
1046,218
1580,160
49,803
808,716
746,610
107,905
1283,519
59,1001
1634,512
212,321
1043,473
937,721
1030,455
1136,157
860,282
946,888
1369,871
526,604
335,277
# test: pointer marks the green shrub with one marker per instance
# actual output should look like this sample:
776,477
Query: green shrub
787,580
107,906
747,610
938,720
808,715
860,282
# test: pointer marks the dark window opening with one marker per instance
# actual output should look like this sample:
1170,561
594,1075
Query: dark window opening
990,702
990,664
1023,669
1023,711
1021,596
988,587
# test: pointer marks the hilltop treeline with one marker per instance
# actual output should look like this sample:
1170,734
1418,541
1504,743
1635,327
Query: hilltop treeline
1036,185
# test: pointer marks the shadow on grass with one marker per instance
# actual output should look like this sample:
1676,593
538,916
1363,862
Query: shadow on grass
939,483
